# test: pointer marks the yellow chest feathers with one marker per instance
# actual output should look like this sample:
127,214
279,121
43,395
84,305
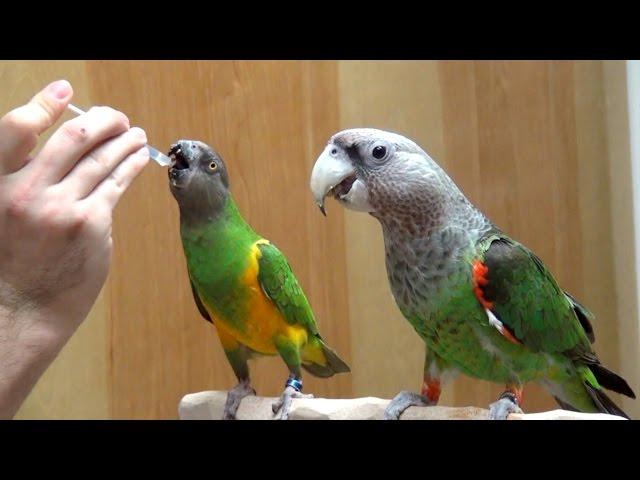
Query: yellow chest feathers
264,321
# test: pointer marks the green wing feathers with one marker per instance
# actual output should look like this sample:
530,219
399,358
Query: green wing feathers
585,317
528,300
281,286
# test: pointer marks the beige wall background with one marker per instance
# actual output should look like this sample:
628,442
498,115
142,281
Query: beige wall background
538,146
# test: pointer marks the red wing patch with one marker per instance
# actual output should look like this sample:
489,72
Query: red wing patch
480,272
480,280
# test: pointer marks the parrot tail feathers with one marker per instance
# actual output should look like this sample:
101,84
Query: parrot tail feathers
611,381
585,392
332,362
595,379
603,403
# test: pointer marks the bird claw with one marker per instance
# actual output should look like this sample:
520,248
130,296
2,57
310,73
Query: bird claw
404,400
501,409
234,397
283,404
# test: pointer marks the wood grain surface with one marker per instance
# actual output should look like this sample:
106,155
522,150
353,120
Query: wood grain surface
530,143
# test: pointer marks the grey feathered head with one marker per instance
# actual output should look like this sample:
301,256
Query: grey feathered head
381,173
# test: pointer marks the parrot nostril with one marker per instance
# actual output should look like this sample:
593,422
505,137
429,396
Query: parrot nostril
193,145
334,151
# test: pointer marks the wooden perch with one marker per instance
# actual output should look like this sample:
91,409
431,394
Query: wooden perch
209,406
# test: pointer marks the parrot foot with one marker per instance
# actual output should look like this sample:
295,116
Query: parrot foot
404,400
506,404
283,405
234,397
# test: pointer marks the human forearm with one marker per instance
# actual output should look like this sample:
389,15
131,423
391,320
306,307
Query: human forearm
28,345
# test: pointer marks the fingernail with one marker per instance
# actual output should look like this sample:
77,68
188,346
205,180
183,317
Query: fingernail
140,133
143,152
60,89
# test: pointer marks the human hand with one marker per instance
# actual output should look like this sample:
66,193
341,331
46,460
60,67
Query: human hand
55,217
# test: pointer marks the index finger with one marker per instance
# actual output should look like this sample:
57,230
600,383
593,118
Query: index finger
19,129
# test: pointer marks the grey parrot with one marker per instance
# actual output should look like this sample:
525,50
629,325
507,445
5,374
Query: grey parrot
484,304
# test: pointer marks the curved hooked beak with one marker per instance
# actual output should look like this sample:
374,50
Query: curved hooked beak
332,173
181,159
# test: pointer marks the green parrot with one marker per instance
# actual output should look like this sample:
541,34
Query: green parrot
241,282
484,304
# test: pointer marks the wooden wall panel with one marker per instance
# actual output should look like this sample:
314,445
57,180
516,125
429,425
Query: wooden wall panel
622,235
403,97
538,146
513,138
526,152
267,120
600,288
540,175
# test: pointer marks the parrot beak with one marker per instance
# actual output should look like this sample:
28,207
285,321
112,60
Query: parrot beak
332,173
181,156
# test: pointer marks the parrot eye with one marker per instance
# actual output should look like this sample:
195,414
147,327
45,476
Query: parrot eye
379,152
213,166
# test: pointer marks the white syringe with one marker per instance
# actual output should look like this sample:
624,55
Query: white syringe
160,158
